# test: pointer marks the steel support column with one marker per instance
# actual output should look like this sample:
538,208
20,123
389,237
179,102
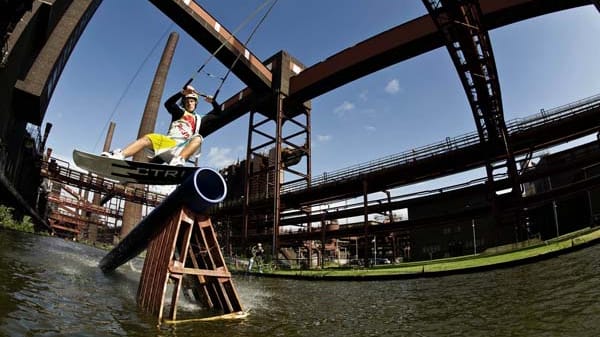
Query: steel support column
366,221
323,238
247,175
277,166
280,148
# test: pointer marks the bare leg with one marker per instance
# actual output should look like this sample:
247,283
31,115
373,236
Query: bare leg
191,147
137,146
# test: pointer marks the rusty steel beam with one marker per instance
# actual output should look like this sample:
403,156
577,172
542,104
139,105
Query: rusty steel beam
73,220
470,49
64,228
405,41
479,210
393,46
233,108
535,200
83,205
212,35
586,156
199,191
532,134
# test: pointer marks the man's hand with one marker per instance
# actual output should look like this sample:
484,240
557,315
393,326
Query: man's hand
188,90
209,99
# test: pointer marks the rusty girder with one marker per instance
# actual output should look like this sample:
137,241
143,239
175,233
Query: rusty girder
468,42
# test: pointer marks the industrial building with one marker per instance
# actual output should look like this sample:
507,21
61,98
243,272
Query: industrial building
273,196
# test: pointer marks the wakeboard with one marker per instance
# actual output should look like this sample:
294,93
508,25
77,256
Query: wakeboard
126,171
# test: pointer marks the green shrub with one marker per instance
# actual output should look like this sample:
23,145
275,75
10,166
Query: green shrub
7,220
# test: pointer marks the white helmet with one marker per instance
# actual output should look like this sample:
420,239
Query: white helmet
192,95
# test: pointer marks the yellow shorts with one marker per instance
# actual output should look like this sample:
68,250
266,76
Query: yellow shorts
161,143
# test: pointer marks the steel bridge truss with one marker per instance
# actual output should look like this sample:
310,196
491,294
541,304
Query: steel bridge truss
468,42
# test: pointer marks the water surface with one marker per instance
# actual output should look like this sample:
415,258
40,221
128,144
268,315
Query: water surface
53,287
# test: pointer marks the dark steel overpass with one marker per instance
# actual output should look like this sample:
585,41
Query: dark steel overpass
450,156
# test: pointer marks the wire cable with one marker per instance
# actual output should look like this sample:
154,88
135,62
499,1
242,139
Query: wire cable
229,70
224,43
130,84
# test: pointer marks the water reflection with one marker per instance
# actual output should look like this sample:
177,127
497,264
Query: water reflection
52,287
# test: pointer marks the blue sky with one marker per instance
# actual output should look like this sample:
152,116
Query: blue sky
542,63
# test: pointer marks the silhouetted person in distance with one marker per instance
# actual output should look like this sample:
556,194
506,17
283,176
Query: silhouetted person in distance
257,257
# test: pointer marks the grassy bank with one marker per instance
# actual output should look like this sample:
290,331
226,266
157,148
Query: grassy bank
463,264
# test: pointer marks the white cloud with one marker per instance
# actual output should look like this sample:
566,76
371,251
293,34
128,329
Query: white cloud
343,108
370,128
392,87
219,157
324,138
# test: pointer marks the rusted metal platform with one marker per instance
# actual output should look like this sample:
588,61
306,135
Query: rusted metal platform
186,253
182,248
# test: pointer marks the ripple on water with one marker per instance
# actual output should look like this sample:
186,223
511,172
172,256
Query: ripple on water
52,287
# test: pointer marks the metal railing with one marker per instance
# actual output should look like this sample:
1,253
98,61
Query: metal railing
60,170
449,144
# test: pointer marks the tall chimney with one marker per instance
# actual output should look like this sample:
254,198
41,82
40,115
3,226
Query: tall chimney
132,213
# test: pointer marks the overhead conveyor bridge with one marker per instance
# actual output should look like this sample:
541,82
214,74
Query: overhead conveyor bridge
452,155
